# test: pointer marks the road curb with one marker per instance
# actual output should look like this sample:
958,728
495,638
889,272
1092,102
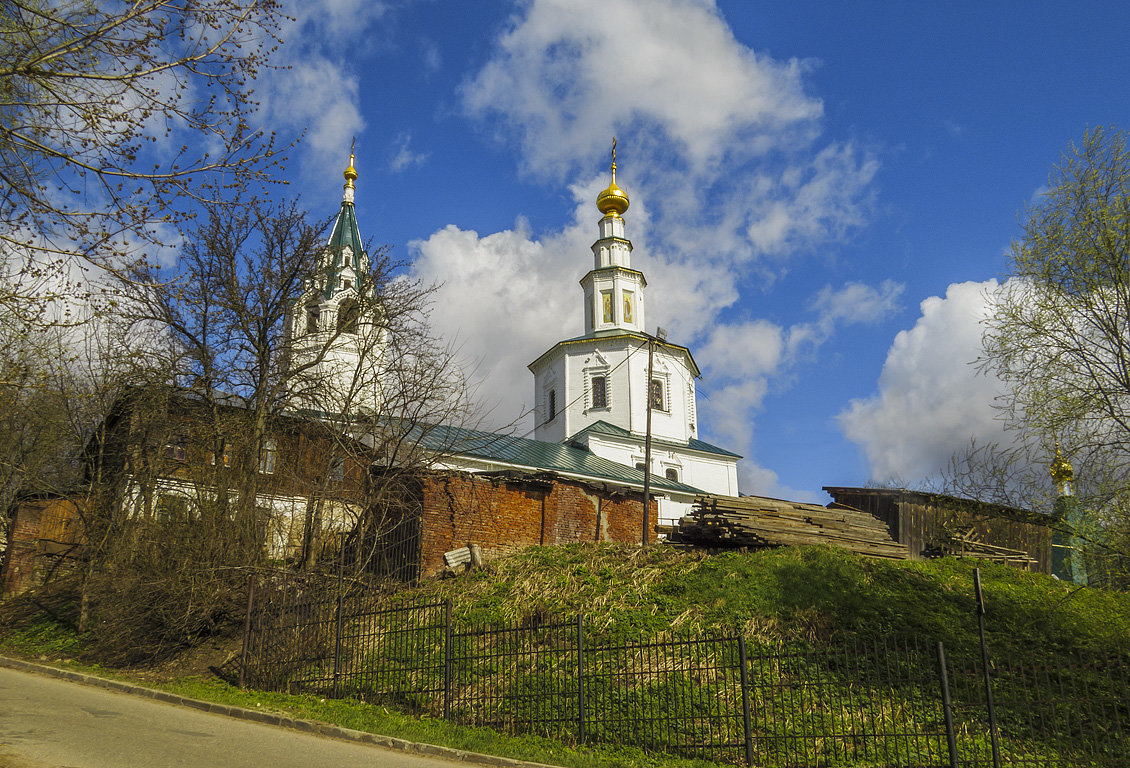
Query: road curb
267,718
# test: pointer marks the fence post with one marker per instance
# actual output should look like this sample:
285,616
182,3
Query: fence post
447,659
947,706
246,631
337,648
985,669
580,678
745,702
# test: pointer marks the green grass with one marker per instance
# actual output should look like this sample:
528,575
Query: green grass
812,597
42,636
379,719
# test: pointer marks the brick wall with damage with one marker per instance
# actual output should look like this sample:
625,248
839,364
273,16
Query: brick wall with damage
505,512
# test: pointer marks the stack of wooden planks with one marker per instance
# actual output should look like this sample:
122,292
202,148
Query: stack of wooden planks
969,544
756,521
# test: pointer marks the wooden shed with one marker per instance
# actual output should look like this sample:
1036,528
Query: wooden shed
925,521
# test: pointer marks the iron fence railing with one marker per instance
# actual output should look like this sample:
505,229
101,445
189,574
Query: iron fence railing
901,702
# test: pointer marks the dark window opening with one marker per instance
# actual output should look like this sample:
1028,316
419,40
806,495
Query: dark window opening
337,470
656,395
312,317
639,466
672,474
599,392
551,406
176,450
347,316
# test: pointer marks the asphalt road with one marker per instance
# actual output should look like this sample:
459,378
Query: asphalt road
50,723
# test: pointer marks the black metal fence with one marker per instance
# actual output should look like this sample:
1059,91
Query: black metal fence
895,703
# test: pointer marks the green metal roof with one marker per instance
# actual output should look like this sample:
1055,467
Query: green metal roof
536,454
604,428
345,233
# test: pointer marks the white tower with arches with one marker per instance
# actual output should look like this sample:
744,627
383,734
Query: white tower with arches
336,339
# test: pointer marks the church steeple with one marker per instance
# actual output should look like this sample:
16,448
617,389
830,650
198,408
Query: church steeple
344,260
333,325
613,290
605,391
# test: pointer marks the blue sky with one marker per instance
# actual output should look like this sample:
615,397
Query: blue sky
822,193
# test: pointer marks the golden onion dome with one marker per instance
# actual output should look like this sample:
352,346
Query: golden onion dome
350,172
613,201
1061,470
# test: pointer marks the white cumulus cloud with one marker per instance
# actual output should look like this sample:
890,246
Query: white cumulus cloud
721,152
931,398
743,361
720,138
568,73
314,88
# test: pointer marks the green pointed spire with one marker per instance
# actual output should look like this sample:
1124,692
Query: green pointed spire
345,233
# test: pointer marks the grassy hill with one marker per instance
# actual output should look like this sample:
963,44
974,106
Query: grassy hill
811,598
811,595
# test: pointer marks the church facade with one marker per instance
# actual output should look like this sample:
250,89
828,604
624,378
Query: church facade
594,390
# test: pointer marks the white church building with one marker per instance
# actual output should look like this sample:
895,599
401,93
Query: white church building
592,391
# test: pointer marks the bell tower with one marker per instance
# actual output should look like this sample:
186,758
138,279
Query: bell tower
336,339
613,290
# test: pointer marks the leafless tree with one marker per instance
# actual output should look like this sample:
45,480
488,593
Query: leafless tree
190,483
114,118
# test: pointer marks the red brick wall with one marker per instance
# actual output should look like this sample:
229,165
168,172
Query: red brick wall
500,514
37,525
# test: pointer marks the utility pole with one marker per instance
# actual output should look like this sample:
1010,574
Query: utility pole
660,335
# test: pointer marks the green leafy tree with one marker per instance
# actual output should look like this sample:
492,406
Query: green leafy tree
1059,336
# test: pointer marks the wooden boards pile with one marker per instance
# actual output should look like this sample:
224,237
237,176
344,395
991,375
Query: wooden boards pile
969,544
755,521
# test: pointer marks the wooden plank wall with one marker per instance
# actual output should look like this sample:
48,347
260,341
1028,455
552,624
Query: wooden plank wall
917,520
880,506
924,522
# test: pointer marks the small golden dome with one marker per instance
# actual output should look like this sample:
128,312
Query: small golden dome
1061,470
350,172
613,201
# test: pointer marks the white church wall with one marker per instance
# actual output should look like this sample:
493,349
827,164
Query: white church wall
671,511
707,473
672,423
713,476
552,379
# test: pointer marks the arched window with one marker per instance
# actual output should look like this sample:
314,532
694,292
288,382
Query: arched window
347,316
312,317
672,474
